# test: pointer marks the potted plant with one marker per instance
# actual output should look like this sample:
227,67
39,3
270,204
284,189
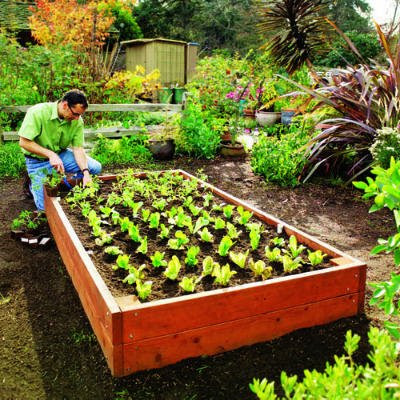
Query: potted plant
266,94
162,144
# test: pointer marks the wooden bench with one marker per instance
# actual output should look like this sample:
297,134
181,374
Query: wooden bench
110,132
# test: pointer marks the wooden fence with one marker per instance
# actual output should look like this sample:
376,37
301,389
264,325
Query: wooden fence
108,131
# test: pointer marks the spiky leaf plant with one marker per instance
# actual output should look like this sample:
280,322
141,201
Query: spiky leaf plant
294,29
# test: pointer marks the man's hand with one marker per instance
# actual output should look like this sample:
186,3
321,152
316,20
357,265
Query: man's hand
56,163
86,178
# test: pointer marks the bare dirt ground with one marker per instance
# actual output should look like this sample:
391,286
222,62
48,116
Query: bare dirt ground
47,347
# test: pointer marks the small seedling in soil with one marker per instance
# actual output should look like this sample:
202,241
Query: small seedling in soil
113,251
143,289
191,255
224,246
174,266
222,274
290,264
239,258
157,259
260,269
294,248
316,257
188,284
134,274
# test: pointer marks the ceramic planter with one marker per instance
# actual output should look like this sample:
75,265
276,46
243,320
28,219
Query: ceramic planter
232,150
162,149
266,118
138,336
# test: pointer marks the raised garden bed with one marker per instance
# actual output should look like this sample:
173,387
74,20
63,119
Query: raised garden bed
138,335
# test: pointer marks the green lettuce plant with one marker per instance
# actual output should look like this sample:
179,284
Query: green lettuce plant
173,268
239,258
191,255
143,289
188,284
157,259
260,269
224,246
223,274
135,274
316,257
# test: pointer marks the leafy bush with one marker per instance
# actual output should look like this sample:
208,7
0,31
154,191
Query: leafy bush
344,379
340,55
280,159
12,161
387,145
127,150
199,139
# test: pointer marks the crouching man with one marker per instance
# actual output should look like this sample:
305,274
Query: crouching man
51,136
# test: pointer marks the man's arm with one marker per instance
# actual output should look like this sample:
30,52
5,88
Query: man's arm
34,148
81,160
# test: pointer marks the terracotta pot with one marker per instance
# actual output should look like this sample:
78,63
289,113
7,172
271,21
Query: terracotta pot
266,118
232,150
249,113
162,149
226,136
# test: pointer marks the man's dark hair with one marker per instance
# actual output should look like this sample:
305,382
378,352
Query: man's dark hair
74,97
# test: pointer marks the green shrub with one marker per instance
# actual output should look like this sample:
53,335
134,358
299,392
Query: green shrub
12,161
386,145
199,136
280,159
127,150
344,379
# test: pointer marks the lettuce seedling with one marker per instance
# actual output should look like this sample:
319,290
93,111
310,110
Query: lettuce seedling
208,266
134,274
179,242
194,210
273,255
145,214
164,232
290,264
316,257
228,211
188,284
122,262
188,201
143,289
113,250
191,255
206,236
244,216
207,199
294,248
106,211
172,212
115,217
278,241
157,259
135,208
224,246
125,223
143,246
173,268
217,207
104,238
113,199
260,269
134,233
85,208
222,274
255,237
201,221
232,232
159,204
239,258
219,223
154,220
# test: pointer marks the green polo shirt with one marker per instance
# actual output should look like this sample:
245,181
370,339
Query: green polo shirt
43,126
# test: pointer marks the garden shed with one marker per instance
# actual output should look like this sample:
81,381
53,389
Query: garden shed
175,59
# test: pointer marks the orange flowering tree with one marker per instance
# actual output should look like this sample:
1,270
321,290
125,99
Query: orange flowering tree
65,22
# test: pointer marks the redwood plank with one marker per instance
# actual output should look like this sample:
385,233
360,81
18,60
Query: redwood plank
99,304
169,349
302,237
169,316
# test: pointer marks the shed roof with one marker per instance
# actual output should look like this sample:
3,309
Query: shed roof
144,41
14,14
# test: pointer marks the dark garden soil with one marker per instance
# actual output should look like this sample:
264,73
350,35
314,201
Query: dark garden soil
48,350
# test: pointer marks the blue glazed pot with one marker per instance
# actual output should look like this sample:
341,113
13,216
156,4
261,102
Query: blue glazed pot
286,116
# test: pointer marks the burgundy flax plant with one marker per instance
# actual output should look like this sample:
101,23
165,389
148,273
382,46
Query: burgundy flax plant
368,97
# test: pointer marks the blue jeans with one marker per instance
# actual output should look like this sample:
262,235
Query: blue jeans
38,169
